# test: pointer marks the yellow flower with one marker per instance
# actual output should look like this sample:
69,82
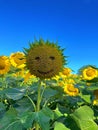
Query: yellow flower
44,59
4,64
56,77
17,60
71,90
95,102
61,83
66,71
88,84
71,81
89,73
19,73
74,76
28,76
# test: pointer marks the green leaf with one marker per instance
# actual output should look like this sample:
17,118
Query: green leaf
2,106
14,121
23,105
49,92
12,82
43,121
60,126
14,93
8,119
70,123
86,98
84,112
92,88
43,118
15,125
48,112
57,113
27,119
83,117
1,85
2,109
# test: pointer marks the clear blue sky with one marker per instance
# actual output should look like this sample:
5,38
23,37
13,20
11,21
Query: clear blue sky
73,23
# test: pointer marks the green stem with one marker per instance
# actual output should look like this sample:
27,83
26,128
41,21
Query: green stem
42,93
46,102
38,98
31,102
38,103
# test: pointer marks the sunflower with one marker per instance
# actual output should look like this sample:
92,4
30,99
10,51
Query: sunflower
4,64
95,102
71,90
18,59
89,73
66,71
44,59
28,76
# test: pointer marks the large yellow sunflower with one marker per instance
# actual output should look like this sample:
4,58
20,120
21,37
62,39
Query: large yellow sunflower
89,73
44,59
18,59
4,64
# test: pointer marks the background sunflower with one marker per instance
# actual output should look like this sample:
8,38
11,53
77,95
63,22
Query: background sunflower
4,64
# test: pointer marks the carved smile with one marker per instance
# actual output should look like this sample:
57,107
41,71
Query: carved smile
47,72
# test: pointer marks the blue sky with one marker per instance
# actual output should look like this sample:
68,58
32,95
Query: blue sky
73,23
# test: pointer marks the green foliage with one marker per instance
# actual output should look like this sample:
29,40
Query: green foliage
22,107
14,93
60,126
10,121
84,118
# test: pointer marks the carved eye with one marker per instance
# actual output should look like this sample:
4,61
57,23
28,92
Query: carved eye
52,57
37,58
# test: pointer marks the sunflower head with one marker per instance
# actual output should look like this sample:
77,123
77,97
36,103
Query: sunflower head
17,59
4,64
71,90
66,71
89,72
44,59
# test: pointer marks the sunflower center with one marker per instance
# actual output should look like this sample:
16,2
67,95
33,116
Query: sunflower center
90,72
2,64
71,88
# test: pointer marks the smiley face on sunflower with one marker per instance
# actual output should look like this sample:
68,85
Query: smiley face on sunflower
44,59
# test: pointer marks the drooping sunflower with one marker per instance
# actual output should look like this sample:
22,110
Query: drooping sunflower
44,59
18,59
4,64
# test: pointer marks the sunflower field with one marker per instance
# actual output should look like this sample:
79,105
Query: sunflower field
38,91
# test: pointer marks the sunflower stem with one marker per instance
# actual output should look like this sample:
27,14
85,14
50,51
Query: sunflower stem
31,102
38,104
